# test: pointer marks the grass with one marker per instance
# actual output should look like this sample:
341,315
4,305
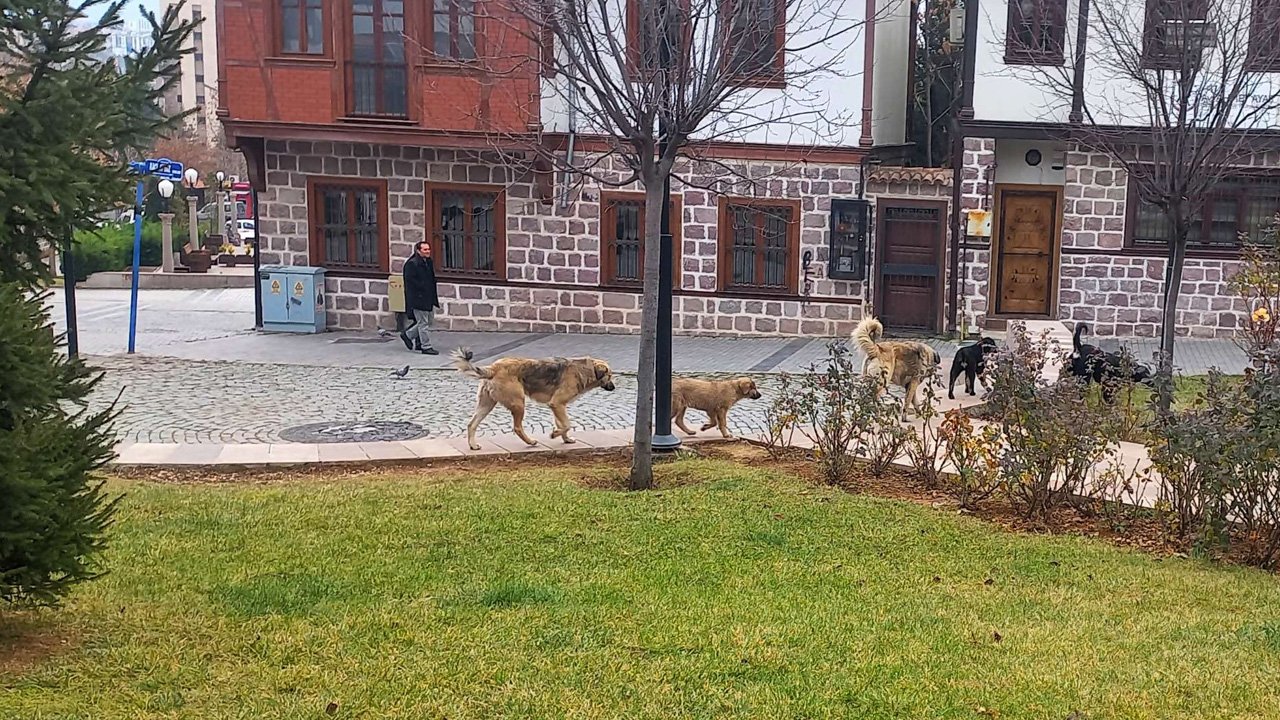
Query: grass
734,592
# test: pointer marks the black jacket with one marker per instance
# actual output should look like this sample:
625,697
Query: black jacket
420,284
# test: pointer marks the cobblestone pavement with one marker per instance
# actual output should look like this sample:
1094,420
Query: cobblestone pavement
173,401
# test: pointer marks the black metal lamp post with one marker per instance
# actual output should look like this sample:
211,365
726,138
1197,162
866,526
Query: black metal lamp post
663,439
69,295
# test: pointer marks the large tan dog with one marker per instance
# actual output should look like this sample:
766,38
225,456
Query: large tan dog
713,397
905,363
554,382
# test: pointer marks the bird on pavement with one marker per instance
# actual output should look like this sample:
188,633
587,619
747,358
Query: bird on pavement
401,373
383,332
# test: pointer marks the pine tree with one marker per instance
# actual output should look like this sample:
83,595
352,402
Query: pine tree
69,123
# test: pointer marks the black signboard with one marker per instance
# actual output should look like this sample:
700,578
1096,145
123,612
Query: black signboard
850,221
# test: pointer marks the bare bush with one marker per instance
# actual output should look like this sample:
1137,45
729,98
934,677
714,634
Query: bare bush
973,455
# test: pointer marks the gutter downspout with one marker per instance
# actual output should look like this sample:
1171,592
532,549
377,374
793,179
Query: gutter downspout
573,133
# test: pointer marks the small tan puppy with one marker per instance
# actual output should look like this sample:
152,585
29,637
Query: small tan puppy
713,397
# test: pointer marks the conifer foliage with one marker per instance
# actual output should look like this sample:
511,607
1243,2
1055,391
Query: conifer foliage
70,121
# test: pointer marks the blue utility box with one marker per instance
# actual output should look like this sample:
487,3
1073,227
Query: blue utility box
292,299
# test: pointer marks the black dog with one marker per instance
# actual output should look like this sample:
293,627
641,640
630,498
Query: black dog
1093,364
972,361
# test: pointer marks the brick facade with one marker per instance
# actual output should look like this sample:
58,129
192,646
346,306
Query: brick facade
553,274
1113,289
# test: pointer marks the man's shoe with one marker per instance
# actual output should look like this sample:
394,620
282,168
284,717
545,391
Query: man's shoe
408,343
430,351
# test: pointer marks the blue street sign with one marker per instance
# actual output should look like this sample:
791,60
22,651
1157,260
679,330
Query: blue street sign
163,168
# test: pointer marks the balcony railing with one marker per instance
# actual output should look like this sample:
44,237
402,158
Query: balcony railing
379,90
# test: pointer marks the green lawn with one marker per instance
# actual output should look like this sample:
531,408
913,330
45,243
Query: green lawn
732,593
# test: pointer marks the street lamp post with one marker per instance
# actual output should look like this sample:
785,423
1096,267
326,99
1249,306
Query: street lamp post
663,439
219,214
165,188
192,176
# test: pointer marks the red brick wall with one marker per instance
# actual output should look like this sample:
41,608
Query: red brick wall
258,85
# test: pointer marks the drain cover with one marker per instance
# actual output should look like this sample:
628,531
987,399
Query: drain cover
341,432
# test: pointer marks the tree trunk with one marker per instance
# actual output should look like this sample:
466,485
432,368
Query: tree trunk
642,459
1168,331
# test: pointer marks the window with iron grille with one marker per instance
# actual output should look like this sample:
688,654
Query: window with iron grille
759,245
1235,208
349,225
756,41
302,27
645,23
467,231
453,24
622,238
1037,32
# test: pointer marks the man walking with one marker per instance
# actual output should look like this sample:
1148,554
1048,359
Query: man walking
421,298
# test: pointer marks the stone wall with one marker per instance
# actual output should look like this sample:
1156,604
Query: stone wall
1116,290
553,274
976,193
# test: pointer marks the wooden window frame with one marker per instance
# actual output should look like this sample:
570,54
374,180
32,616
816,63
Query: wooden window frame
724,247
429,32
315,218
634,59
1257,59
325,23
1017,54
608,223
775,75
499,274
1152,57
1237,192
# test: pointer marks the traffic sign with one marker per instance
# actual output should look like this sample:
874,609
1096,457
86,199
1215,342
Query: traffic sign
163,168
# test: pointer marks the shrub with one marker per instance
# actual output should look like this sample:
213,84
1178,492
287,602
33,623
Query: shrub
973,456
1257,282
841,412
923,444
54,513
1052,438
110,249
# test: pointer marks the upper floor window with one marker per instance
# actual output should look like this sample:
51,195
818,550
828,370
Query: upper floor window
646,22
349,224
453,24
1176,34
1036,33
759,245
1236,207
467,230
622,238
1264,36
302,26
755,41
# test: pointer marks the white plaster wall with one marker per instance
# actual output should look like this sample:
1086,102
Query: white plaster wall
822,109
892,56
1012,167
1043,94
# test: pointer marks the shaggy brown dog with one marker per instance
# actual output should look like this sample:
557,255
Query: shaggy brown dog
905,363
713,397
554,382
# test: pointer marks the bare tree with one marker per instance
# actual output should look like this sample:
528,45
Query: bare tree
655,81
1173,94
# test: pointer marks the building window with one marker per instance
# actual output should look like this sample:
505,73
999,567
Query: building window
468,230
302,27
1237,207
759,245
453,29
1176,34
349,225
1037,32
754,51
379,67
644,27
1264,36
622,238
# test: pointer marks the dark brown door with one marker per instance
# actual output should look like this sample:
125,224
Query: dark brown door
910,259
1024,269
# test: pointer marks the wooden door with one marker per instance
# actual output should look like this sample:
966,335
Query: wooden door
1025,265
909,294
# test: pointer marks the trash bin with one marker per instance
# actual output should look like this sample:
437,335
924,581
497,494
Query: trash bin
292,299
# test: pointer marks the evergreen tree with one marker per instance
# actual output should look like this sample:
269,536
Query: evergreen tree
69,123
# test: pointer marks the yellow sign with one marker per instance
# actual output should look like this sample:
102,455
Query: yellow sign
297,288
275,287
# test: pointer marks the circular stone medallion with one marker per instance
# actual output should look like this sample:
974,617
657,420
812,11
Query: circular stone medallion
359,431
